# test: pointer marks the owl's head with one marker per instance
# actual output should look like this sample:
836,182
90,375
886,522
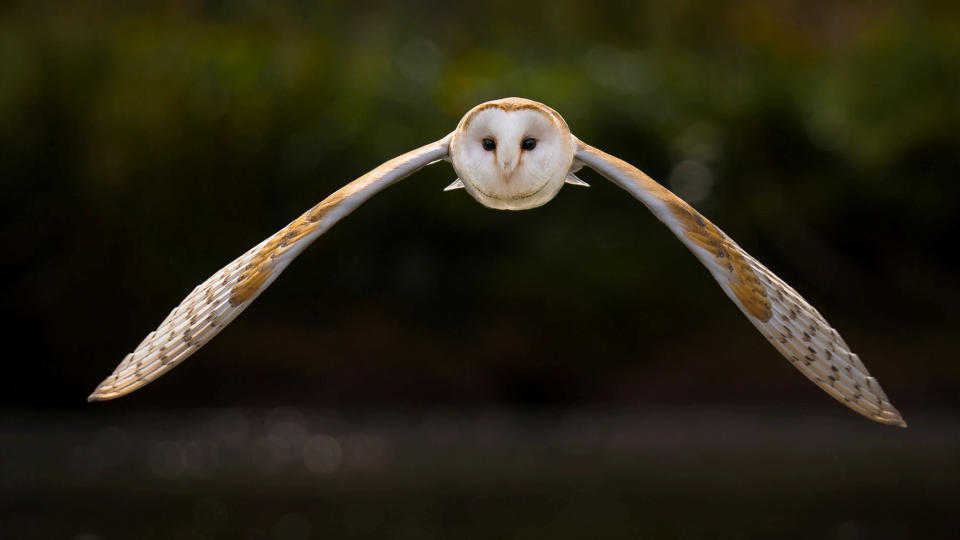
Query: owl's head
513,153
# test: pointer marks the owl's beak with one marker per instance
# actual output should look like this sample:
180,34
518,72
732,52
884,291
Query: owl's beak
508,163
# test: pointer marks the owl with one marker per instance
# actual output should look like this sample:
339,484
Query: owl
516,154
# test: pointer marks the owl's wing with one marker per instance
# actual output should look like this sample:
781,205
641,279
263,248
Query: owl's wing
218,300
791,325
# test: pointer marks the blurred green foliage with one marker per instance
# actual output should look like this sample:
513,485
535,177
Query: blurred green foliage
143,146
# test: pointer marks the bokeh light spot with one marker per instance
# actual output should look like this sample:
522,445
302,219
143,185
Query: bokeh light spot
691,180
322,454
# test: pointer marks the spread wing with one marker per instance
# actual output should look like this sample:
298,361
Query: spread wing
217,301
791,324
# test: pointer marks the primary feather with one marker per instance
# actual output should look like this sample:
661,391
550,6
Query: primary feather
516,154
788,321
217,301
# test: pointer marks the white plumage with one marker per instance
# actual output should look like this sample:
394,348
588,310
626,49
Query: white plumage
216,302
516,154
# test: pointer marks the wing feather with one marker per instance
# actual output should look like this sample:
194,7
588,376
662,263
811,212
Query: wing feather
790,323
213,304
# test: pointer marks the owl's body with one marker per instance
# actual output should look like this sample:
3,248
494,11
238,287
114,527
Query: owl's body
516,154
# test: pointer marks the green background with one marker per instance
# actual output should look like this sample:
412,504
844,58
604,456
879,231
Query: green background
143,147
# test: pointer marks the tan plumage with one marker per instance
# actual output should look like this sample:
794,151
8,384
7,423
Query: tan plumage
217,301
791,324
516,154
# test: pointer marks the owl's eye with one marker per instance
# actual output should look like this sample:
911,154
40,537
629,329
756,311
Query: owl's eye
489,144
529,144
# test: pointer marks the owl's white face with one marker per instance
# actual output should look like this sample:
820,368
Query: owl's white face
513,153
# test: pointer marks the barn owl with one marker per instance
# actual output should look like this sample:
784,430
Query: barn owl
516,154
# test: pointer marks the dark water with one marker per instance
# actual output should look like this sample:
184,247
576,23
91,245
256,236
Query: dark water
291,474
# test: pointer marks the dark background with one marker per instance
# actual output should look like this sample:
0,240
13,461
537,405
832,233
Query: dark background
431,368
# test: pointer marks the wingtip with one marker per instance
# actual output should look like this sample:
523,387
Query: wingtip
891,417
101,395
898,421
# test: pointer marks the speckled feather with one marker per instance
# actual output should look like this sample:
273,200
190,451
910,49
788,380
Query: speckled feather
791,324
217,301
788,321
804,337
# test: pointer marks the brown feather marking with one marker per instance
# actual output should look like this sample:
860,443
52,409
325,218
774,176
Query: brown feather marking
743,281
259,268
511,105
249,284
